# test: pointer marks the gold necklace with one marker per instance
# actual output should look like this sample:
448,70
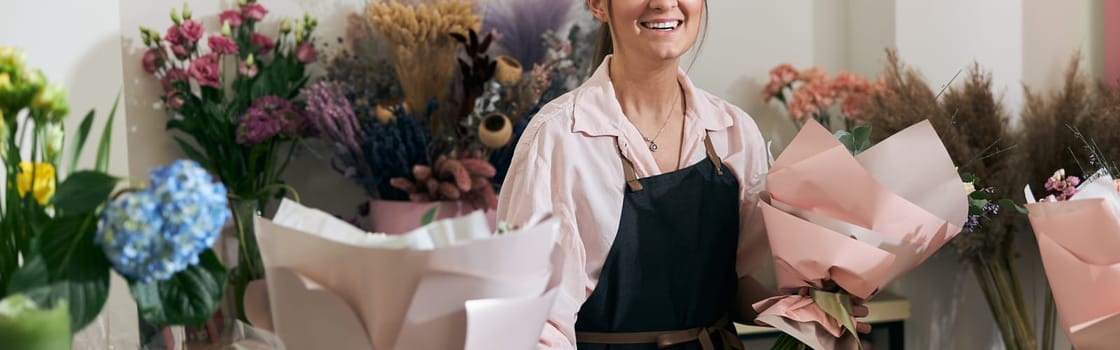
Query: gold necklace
653,142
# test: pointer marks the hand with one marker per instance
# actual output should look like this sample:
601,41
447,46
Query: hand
859,310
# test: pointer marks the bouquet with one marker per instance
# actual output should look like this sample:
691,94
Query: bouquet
234,94
1077,225
451,284
62,229
845,226
419,108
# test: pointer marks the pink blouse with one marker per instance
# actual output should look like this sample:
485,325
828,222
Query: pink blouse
567,164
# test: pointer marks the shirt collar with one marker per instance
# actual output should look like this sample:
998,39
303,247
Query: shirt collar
598,113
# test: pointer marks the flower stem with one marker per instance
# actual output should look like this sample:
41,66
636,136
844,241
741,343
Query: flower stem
987,285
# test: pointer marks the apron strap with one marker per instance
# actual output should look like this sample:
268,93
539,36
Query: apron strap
716,161
631,176
666,339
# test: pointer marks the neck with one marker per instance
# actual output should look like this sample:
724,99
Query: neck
645,89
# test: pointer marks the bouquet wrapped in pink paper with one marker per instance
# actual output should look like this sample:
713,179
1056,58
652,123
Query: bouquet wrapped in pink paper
1079,239
844,226
451,284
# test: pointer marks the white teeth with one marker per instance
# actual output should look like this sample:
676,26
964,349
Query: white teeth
668,25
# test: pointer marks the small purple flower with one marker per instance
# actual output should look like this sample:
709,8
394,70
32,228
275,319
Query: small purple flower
972,224
991,208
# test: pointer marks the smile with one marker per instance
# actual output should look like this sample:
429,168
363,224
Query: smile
664,26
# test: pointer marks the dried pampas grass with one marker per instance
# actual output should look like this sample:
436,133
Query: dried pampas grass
1045,137
910,100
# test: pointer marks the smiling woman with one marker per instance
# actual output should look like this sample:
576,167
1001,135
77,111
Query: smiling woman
605,43
653,181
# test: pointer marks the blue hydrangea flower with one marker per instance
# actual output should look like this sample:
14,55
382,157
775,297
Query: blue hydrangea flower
152,234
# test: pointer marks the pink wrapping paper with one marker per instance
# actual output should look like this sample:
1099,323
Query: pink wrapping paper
860,222
395,217
348,290
1079,241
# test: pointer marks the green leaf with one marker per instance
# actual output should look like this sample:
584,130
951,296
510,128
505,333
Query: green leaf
84,191
862,136
193,153
846,138
83,134
968,177
75,267
32,275
429,216
106,137
189,298
1007,203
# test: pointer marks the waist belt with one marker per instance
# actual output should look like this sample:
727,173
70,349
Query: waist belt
665,339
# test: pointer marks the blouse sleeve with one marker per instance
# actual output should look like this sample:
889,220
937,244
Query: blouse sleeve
530,192
753,252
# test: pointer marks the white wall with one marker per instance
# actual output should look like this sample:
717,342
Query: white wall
75,44
745,40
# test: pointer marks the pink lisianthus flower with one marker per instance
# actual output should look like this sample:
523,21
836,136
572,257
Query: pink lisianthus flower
172,35
233,17
254,12
180,51
263,43
151,61
172,76
247,70
222,45
174,100
306,53
205,70
191,31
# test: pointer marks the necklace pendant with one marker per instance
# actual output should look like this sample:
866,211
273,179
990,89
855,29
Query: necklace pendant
653,146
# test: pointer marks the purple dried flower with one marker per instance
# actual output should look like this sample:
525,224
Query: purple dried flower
330,113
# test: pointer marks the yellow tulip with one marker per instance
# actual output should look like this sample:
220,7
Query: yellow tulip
44,181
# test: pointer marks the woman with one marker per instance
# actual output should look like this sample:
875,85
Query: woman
654,182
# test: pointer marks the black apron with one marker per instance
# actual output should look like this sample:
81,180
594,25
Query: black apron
669,279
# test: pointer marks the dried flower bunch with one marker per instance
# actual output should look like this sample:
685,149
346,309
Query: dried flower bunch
419,90
419,36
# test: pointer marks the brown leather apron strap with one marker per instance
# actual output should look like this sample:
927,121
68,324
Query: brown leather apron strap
712,154
665,339
630,175
628,172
